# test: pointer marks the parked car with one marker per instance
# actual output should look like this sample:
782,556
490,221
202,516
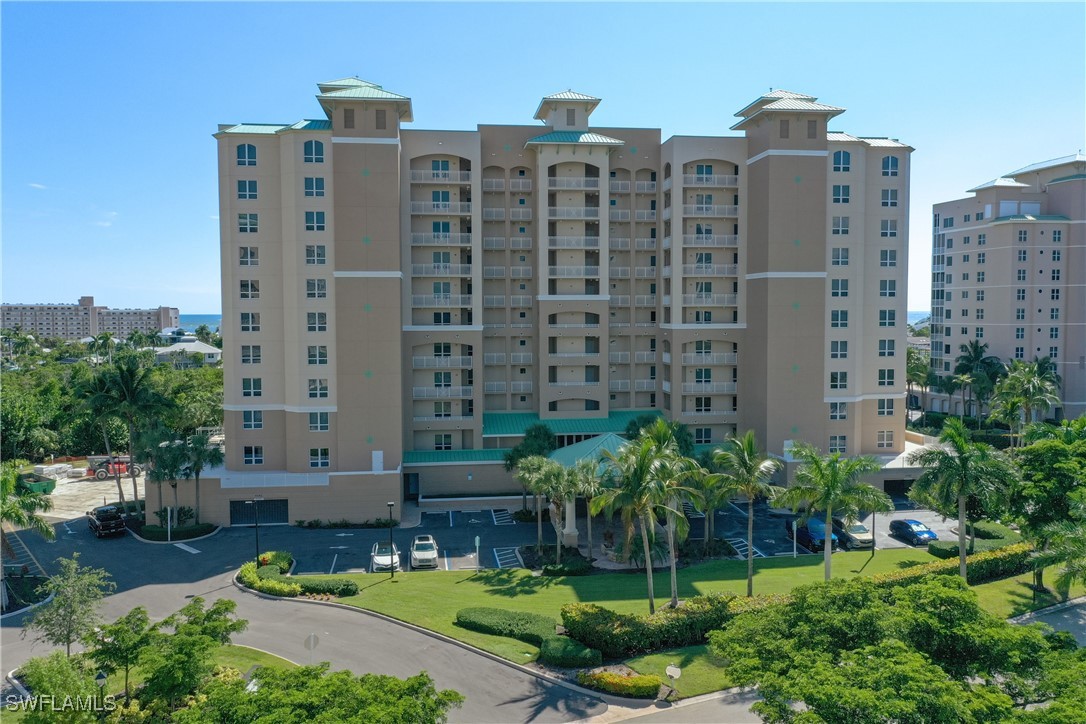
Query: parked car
853,535
423,552
384,557
912,532
811,535
106,520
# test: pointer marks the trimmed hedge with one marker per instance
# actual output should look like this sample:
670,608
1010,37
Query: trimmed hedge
282,560
1003,562
990,530
269,578
638,686
531,628
158,533
325,585
276,586
574,567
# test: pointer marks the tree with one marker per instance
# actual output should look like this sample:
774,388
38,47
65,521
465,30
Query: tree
118,646
136,339
103,344
134,399
559,486
585,476
984,369
99,402
20,508
1067,549
534,473
1068,431
917,366
204,334
64,679
963,382
831,483
957,469
1033,390
538,441
200,453
749,473
165,458
73,613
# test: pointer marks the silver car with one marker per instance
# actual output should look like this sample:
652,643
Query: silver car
853,535
384,557
424,552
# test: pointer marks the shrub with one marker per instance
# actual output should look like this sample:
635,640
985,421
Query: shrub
158,533
320,585
572,567
614,634
531,628
282,560
637,686
274,586
987,566
567,653
990,530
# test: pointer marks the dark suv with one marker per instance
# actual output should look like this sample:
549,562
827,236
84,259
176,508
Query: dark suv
106,520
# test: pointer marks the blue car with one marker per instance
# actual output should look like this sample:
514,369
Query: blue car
912,532
811,535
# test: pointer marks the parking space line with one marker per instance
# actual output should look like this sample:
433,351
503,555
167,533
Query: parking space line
446,554
741,511
333,568
690,511
184,547
502,517
450,519
506,557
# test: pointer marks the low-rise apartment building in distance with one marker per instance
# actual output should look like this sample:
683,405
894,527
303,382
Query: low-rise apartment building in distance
400,305
85,319
1009,270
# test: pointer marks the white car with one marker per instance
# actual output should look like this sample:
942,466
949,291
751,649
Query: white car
384,557
424,552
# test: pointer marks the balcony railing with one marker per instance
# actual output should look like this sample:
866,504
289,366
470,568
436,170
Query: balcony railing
573,182
708,210
645,215
520,300
441,207
729,270
710,358
619,215
492,243
620,300
520,386
520,184
618,242
573,325
645,357
441,270
433,393
645,244
666,358
711,240
645,187
440,177
440,300
498,386
697,179
520,358
573,242
618,357
520,213
443,418
576,383
574,272
520,272
425,363
618,385
620,272
494,272
494,358
695,388
645,300
573,355
428,239
573,212
494,301
493,184
667,213
646,272
620,187
644,385
520,242
717,300
493,214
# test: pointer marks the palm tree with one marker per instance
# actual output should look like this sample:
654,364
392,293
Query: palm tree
155,338
99,402
832,483
963,381
103,344
985,369
750,472
559,486
1046,369
136,339
1035,390
1067,549
200,454
20,508
917,366
533,472
1068,431
135,401
165,458
585,476
958,469
672,489
204,334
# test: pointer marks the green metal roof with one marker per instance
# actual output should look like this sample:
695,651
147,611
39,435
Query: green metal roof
576,137
439,457
312,125
1030,217
513,424
268,128
1072,177
344,82
364,92
590,449
570,95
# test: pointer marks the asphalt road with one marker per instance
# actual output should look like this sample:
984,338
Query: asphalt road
1072,619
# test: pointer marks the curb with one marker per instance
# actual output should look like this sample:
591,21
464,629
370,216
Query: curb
1071,602
31,607
605,698
263,651
18,687
141,539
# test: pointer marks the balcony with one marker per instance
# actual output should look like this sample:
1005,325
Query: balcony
619,385
520,300
619,272
646,272
520,386
710,211
520,213
520,242
520,272
493,184
666,358
645,300
520,184
643,244
435,393
645,385
574,325
586,383
714,300
573,355
498,386
618,242
441,270
573,212
727,414
619,215
728,270
667,213
619,300
709,358
645,215
573,242
707,388
574,272
667,183
645,187
494,214
494,272
620,187
618,358
711,240
427,176
444,418
493,243
645,357
428,239
443,208
440,300
574,182
427,363
691,179
494,301
494,358
520,358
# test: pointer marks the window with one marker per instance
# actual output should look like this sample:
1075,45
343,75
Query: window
247,190
979,314
840,225
1057,255
443,379
316,321
888,257
246,154
886,378
1053,352
838,380
571,117
965,258
1023,236
442,319
379,121
703,435
1021,275
348,118
838,444
838,349
703,375
1019,352
887,288
251,387
250,321
887,347
982,239
842,161
1020,313
315,254
317,354
948,222
252,420
840,194
443,441
839,318
980,295
253,455
314,221
1055,275
889,197
965,276
784,128
313,152
839,287
888,228
318,457
1054,295
889,168
250,354
248,256
1054,313
318,388
884,438
1020,294
247,223
1053,332
838,410
812,129
885,408
250,289
703,316
318,422
1057,236
839,256
980,332
703,404
887,318
316,288
314,186
442,409
1022,254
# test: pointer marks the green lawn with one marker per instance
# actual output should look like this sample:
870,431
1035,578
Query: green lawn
701,671
1014,596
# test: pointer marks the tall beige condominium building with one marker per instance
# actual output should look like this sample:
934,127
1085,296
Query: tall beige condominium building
400,305
85,319
1009,270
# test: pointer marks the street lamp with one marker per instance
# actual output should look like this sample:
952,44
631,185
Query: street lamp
256,521
101,681
393,559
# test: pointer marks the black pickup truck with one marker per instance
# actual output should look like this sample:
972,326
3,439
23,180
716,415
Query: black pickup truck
106,520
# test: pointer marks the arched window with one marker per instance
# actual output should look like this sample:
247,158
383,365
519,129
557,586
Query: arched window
842,161
246,154
889,165
314,152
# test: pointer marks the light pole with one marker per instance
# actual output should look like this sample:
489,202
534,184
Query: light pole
255,502
101,681
393,559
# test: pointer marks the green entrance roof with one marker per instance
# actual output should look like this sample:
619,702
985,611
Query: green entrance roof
513,424
591,449
443,457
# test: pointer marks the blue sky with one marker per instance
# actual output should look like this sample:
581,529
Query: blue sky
109,178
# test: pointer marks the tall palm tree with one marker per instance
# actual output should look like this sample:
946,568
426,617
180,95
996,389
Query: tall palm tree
1068,431
832,483
1067,549
917,365
750,472
975,361
1036,391
20,508
97,398
672,487
103,344
136,339
559,486
155,338
585,475
964,381
204,334
958,469
165,458
135,401
533,473
1047,370
200,454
